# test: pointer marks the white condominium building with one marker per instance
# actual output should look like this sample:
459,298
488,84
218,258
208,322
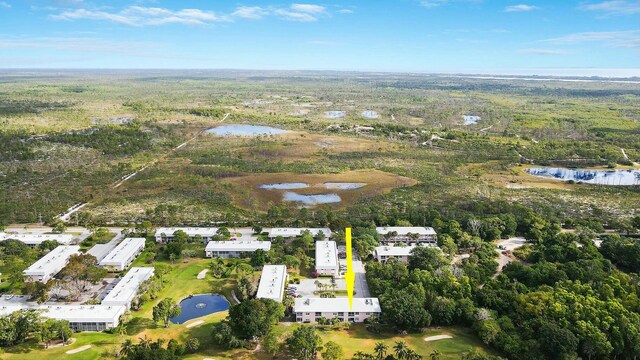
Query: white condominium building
49,265
235,249
123,255
165,234
127,288
291,233
414,235
37,239
272,282
327,258
310,310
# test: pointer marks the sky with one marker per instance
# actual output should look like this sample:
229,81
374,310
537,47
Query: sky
522,37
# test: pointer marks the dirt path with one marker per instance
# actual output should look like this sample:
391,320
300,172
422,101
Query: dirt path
438,337
80,349
505,255
202,274
195,323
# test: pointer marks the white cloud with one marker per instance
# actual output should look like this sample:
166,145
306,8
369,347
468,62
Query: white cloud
521,8
4,4
630,38
308,8
345,11
250,12
77,44
544,52
295,16
433,3
614,7
144,16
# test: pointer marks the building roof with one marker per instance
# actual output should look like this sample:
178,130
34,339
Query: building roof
36,239
405,230
291,232
339,305
52,262
272,282
394,250
127,288
236,245
326,254
191,231
121,253
71,313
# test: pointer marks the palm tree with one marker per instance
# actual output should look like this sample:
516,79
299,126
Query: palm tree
401,350
145,342
381,350
361,355
412,355
127,347
435,355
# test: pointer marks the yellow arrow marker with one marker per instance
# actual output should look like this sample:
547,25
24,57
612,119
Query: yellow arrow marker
350,276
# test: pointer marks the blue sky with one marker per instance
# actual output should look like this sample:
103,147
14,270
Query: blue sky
462,36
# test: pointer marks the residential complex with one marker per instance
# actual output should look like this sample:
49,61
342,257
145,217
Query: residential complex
37,239
412,235
310,310
165,234
291,233
127,288
123,255
235,249
327,258
49,265
272,282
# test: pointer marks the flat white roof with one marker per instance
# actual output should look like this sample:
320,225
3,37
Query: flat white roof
272,282
238,245
71,313
121,253
339,305
326,254
36,239
53,262
191,231
289,232
127,288
394,250
405,230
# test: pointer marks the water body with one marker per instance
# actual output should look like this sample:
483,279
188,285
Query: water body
370,114
200,305
471,119
283,186
310,200
335,114
245,130
600,177
343,186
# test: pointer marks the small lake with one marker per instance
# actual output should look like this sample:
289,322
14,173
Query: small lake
335,114
471,119
200,305
310,200
600,177
370,114
284,186
245,130
343,186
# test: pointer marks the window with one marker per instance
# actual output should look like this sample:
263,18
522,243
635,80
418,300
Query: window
318,314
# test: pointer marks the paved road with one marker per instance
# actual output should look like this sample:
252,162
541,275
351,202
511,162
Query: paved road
361,287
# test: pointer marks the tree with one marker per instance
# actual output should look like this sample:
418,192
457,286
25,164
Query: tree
255,317
81,271
165,310
332,351
426,258
259,258
192,345
271,343
559,343
435,355
401,350
39,291
404,311
59,227
160,270
304,343
381,350
257,229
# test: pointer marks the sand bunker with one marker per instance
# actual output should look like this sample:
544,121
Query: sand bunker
438,337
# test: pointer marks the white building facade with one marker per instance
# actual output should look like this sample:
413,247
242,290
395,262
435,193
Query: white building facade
310,310
126,289
166,234
408,235
292,233
235,249
123,255
327,258
49,265
37,239
272,282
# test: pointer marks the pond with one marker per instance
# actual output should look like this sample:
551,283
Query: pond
343,185
335,114
200,305
471,119
369,114
600,177
312,199
283,186
245,130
